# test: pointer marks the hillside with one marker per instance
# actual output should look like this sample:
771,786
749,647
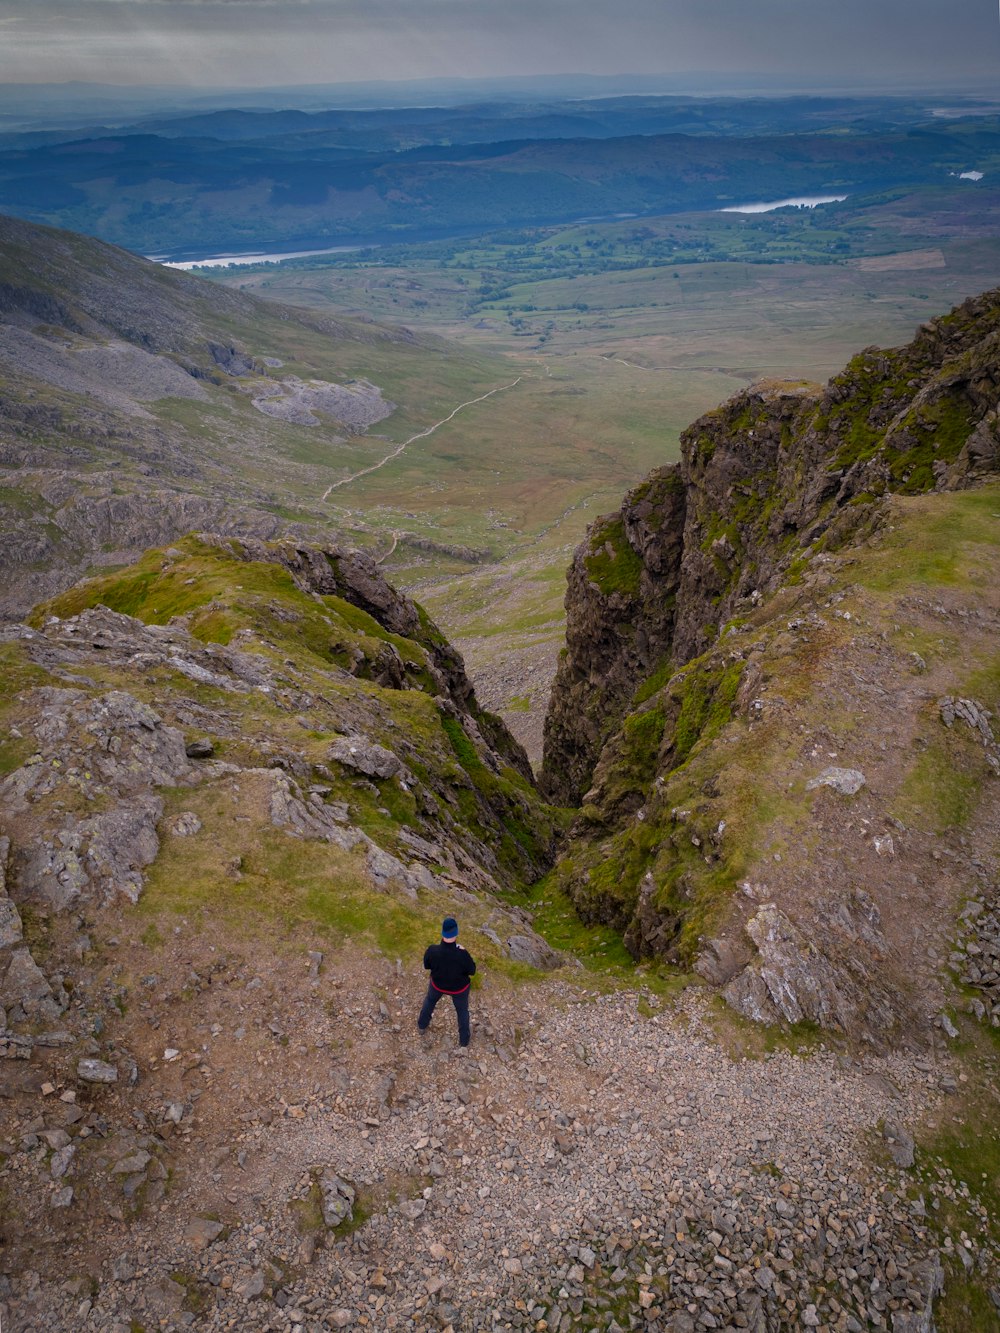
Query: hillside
775,705
734,1055
243,783
192,194
137,404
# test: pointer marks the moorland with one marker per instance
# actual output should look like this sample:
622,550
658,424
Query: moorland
620,333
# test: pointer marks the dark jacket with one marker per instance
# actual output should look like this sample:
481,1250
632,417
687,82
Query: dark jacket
450,967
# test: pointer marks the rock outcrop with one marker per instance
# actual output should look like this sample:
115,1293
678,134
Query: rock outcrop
250,694
702,632
779,470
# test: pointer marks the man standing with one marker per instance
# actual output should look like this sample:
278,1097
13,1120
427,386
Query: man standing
451,968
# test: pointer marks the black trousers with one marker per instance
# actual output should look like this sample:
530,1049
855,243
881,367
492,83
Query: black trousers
461,1003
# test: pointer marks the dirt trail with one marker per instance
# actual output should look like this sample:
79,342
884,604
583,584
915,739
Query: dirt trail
593,1156
420,435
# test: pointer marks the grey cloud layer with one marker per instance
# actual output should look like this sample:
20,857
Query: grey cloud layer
287,41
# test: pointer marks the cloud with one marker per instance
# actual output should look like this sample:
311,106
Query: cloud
260,42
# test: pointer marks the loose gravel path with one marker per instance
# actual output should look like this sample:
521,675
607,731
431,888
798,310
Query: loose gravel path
596,1163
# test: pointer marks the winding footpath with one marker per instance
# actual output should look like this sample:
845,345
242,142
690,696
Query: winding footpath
420,435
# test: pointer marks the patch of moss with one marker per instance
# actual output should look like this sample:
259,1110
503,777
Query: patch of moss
465,751
654,683
612,564
942,428
707,694
642,733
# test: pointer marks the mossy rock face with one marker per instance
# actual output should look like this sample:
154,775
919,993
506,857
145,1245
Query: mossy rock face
688,778
781,471
620,617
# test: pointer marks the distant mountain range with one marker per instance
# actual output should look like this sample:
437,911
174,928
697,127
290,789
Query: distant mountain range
231,179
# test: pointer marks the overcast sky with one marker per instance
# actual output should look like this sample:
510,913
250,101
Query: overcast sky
267,42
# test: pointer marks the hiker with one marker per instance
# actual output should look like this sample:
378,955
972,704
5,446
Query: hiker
451,968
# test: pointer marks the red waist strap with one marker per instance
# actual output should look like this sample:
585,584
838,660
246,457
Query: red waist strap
441,990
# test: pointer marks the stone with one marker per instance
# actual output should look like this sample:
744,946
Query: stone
970,712
365,756
947,1026
122,1268
200,1232
251,1286
845,781
533,950
411,1209
90,1070
199,749
900,1144
826,977
62,1198
128,1166
337,1199
186,824
166,1298
22,982
341,1318
14,1047
11,931
62,1160
719,960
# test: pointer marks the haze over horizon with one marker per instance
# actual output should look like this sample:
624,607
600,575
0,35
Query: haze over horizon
268,43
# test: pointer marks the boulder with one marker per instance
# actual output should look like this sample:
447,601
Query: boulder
365,756
824,977
101,857
899,1141
23,983
533,950
200,1232
846,781
186,824
91,1070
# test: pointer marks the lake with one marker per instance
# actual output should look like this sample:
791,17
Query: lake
801,201
227,261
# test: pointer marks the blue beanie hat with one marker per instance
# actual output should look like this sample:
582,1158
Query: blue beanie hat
449,928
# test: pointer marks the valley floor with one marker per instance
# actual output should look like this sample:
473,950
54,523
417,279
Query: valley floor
601,1159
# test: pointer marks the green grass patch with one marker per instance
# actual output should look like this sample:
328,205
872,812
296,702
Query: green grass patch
941,789
612,564
945,540
707,693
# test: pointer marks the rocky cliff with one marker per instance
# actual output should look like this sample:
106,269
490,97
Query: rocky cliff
730,638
